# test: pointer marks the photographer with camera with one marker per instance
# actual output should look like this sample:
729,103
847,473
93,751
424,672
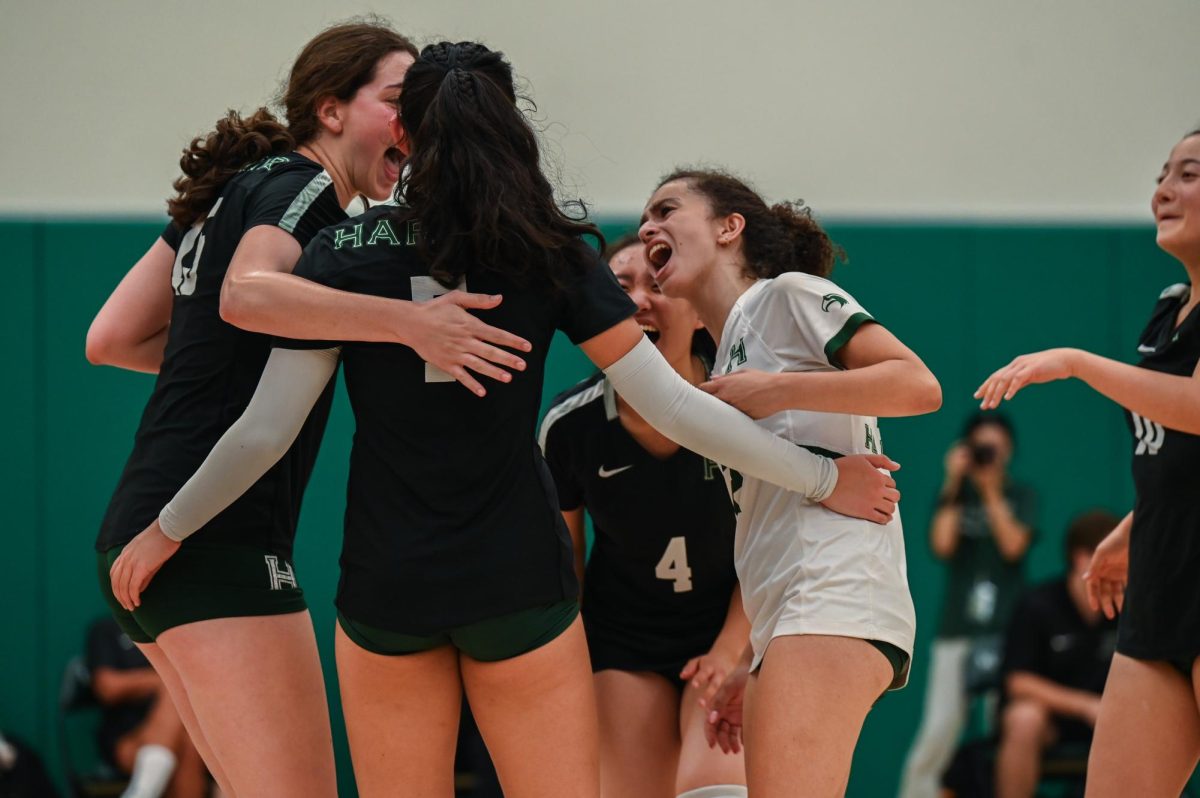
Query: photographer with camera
982,527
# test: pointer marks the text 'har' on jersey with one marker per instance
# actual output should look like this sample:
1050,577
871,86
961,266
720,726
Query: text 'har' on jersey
382,233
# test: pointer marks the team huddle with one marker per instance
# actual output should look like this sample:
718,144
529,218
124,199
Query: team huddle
745,603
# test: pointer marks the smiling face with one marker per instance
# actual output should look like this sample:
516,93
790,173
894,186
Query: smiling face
669,323
682,237
1176,202
371,139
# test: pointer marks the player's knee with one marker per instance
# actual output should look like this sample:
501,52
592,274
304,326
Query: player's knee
1025,722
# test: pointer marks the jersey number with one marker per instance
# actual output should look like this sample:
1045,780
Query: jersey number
673,566
183,278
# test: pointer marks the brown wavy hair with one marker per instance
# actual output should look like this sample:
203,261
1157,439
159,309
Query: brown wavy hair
778,238
473,180
336,63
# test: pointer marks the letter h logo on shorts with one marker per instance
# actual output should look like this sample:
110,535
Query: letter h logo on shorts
280,576
1149,434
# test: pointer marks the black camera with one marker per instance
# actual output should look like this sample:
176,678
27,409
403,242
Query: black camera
983,454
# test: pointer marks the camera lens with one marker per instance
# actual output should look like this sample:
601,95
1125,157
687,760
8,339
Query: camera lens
983,454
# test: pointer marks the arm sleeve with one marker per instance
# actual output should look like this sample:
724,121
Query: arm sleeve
709,427
556,448
290,385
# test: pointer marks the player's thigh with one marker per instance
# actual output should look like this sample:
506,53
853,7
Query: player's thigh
806,710
639,733
402,713
256,688
183,705
542,701
1147,738
700,765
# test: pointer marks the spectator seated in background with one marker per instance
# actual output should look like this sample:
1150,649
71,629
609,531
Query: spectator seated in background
140,732
1056,660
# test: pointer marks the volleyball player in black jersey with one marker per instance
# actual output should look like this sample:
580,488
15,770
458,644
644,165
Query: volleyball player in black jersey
1148,734
661,610
240,658
456,566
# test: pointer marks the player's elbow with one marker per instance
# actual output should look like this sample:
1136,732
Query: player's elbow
927,396
103,344
233,307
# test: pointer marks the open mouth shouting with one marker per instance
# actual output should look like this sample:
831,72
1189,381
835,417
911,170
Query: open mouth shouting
392,159
658,254
651,332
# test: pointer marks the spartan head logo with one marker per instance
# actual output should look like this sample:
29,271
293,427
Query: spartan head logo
829,300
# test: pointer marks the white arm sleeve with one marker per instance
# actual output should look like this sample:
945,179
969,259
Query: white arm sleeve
291,383
708,426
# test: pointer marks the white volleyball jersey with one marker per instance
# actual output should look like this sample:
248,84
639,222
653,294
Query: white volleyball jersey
805,569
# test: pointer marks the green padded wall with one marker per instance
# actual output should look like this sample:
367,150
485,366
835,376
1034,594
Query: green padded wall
967,298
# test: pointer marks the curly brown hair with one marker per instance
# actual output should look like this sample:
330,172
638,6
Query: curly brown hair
336,63
778,238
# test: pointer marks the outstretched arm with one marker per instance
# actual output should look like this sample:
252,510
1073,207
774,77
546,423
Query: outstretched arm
291,383
708,426
262,295
1171,400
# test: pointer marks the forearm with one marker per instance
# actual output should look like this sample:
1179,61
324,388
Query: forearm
1011,536
284,305
944,531
711,428
1055,697
145,356
1171,400
889,388
290,385
113,686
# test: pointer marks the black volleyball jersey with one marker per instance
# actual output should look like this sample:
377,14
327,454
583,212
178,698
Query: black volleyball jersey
1161,617
662,560
451,515
210,368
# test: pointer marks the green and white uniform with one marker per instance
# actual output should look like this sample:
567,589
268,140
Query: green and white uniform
805,569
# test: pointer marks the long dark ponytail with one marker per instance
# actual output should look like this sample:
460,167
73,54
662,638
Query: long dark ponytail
337,62
473,180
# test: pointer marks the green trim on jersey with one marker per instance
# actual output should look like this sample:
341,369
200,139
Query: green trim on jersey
844,335
300,205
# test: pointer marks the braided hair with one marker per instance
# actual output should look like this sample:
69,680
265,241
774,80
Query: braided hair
473,179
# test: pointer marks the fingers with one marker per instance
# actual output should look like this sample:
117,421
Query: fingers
481,366
1089,585
499,356
465,299
892,495
689,670
709,386
884,462
495,335
470,383
116,575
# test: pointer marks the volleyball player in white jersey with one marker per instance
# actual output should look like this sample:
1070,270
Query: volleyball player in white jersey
832,622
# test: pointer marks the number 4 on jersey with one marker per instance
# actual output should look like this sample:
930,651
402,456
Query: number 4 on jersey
674,567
